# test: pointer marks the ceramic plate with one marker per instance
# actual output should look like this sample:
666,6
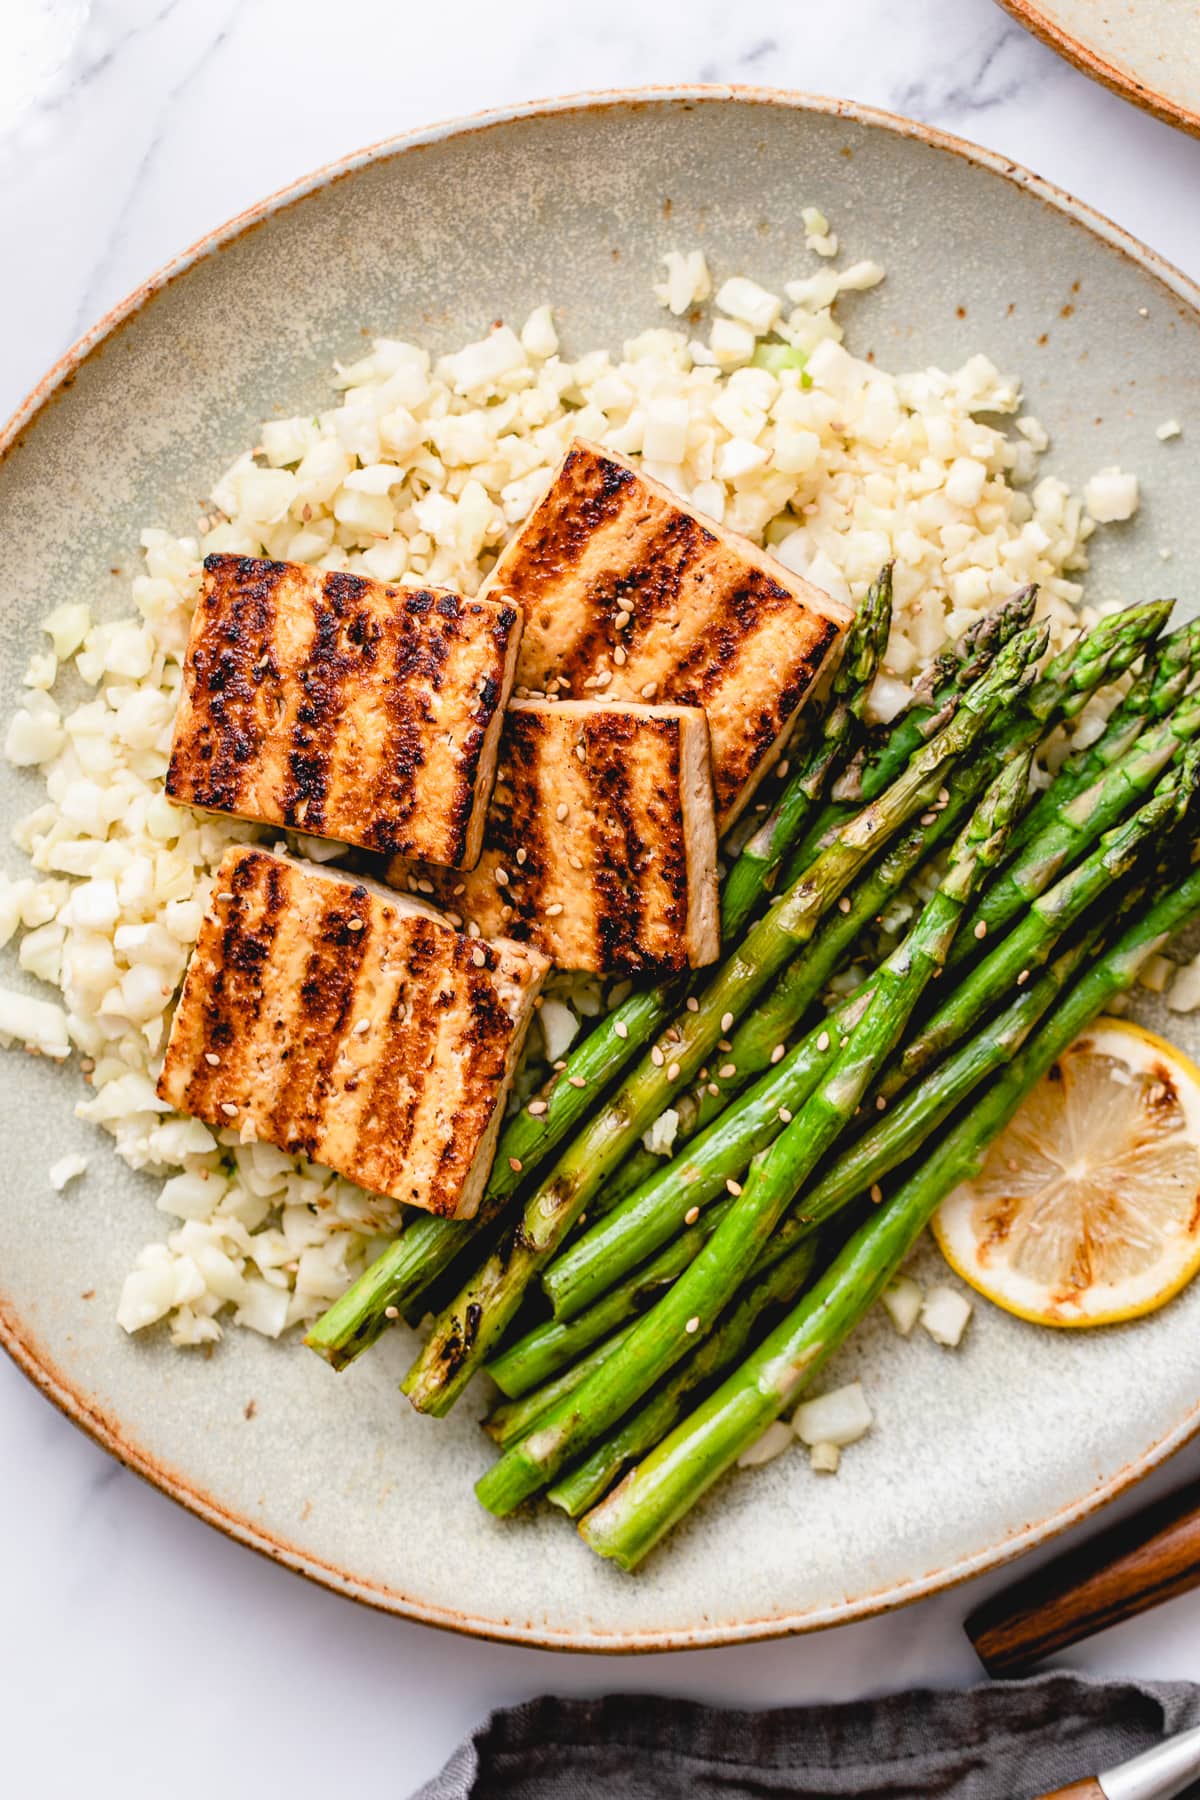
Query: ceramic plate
976,1455
1147,50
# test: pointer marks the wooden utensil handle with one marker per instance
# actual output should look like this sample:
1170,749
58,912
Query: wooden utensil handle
1145,1559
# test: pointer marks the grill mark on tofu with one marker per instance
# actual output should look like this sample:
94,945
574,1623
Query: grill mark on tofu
385,1052
621,851
706,618
625,879
333,704
252,918
232,669
321,1017
344,643
397,1087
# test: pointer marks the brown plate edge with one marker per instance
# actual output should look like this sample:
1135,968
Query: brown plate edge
1113,76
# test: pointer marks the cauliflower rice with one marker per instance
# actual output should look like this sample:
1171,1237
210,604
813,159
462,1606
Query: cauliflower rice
418,471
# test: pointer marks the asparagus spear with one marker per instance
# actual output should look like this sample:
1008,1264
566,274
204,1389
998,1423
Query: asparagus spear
1047,916
508,1424
750,875
1062,690
652,1215
884,1146
663,1335
668,1483
465,1332
933,704
1080,822
554,1344
769,1287
1167,670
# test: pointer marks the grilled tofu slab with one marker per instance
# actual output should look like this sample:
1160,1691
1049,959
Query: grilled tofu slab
344,707
331,1016
626,588
601,846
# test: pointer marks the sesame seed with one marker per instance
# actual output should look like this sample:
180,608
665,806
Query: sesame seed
213,1061
693,1005
726,1021
412,884
823,1041
713,1089
460,887
724,1044
672,1071
880,1103
425,887
785,1115
693,1325
358,924
1023,977
455,919
561,811
844,1041
225,896
844,904
576,862
560,1064
391,1312
943,796
577,1081
589,681
554,908
604,677
479,958
876,1192
981,930
782,768
648,690
620,657
472,929
691,1215
657,1057
362,1027
300,811
521,855
733,1187
621,1028
928,818
536,1108
622,619
726,1070
704,1074
229,1109
501,877
581,753
777,1053
514,1163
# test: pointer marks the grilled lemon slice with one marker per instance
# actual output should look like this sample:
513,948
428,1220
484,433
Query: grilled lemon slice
1087,1210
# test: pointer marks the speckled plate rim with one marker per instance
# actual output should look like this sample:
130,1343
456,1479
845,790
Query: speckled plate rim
34,1358
1089,61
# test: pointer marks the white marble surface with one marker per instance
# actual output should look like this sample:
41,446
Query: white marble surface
144,1654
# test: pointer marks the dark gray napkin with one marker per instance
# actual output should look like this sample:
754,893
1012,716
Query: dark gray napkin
1005,1741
